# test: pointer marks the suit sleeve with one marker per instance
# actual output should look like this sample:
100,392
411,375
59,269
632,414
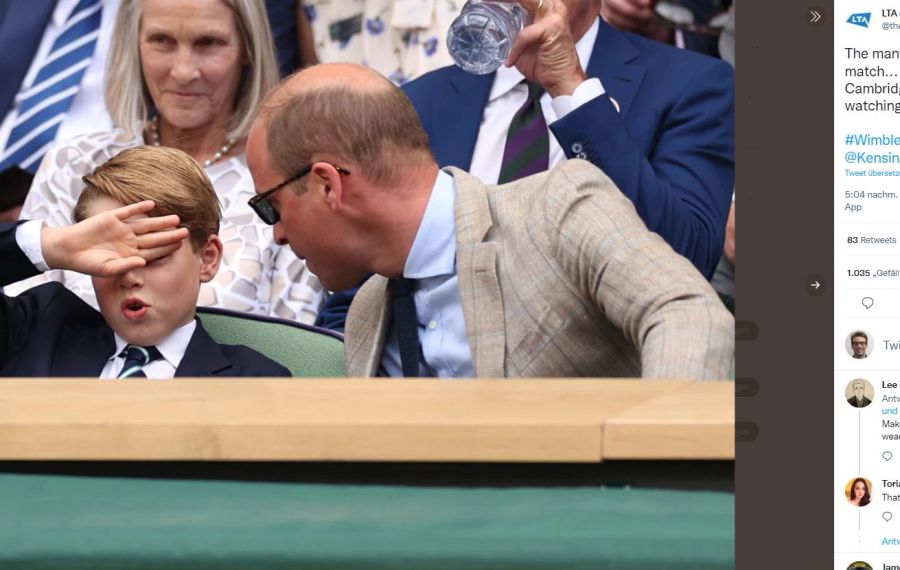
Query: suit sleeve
682,187
16,313
16,265
333,315
52,197
659,301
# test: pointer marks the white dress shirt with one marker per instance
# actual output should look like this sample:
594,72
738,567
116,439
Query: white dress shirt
87,113
508,94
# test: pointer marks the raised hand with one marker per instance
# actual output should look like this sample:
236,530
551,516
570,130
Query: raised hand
112,242
544,51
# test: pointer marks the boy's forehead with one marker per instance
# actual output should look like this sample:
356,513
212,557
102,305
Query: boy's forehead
99,204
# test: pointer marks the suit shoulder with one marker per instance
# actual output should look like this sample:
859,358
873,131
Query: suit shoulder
435,79
432,77
667,55
673,71
248,362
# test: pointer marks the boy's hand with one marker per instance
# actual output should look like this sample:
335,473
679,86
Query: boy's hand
112,242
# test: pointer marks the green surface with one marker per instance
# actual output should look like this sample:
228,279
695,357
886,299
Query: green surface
98,523
305,353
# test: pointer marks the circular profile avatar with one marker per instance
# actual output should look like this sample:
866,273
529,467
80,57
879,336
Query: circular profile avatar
859,344
858,492
860,565
859,393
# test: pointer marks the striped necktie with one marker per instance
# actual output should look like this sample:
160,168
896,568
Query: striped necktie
136,357
44,106
527,149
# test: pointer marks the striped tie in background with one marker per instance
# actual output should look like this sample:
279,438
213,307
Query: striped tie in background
527,149
44,106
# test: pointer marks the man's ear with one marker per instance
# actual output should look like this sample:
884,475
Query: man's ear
210,257
328,181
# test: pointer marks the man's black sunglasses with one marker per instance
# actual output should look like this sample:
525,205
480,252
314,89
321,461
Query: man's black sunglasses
263,207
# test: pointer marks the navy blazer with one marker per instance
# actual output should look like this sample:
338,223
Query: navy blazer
669,147
50,331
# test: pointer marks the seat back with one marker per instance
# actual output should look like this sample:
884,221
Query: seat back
305,350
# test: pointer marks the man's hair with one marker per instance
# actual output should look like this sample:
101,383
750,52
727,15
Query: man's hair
863,382
169,177
125,92
860,333
377,129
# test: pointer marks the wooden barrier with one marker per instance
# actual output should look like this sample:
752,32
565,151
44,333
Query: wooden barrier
542,420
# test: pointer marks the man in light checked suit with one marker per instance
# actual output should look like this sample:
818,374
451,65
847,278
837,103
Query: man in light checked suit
551,275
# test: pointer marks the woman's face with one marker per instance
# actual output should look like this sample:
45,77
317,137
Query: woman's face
191,57
859,490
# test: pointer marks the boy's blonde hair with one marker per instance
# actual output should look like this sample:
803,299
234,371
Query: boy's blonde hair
169,177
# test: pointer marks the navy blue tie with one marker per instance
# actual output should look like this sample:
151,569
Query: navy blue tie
406,324
136,357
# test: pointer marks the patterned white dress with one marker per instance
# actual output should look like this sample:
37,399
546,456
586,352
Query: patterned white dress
256,275
400,39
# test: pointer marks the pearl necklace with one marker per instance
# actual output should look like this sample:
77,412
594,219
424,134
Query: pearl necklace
223,150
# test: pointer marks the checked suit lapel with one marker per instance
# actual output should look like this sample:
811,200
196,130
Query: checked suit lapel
479,285
367,327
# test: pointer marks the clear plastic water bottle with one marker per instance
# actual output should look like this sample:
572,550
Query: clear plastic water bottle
479,38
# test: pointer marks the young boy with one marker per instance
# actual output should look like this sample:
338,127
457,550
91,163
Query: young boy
146,276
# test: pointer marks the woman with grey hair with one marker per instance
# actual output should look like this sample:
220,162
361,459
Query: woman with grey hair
188,74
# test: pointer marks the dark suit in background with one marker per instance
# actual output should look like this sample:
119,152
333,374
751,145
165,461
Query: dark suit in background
22,25
49,331
283,23
669,148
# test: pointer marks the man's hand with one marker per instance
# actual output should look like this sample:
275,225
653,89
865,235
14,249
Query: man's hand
112,242
544,51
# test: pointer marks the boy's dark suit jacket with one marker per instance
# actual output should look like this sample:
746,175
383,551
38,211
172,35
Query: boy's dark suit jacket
49,331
